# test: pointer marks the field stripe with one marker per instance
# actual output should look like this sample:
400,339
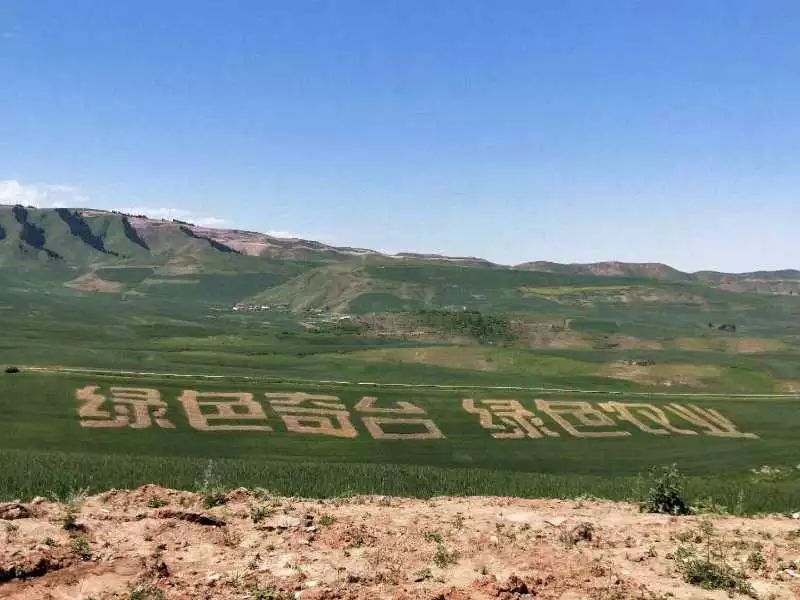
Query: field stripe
513,388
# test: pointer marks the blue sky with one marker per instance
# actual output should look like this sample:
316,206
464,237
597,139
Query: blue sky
563,130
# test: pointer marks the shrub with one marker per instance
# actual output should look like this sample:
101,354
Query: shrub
433,536
213,493
156,502
72,509
12,370
583,532
327,520
710,575
80,547
442,558
666,492
259,512
755,561
267,593
147,593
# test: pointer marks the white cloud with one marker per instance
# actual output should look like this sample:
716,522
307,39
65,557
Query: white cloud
175,213
41,195
57,195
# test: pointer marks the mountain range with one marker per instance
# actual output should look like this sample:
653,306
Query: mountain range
83,237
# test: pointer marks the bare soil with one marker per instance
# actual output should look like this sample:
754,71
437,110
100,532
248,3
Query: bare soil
91,282
155,543
689,375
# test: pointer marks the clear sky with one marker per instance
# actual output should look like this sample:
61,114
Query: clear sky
514,130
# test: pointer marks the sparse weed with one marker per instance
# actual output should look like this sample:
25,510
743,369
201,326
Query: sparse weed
433,536
583,532
443,558
213,493
266,593
156,502
147,593
712,575
326,520
423,575
264,494
709,570
229,537
80,547
72,508
755,561
259,512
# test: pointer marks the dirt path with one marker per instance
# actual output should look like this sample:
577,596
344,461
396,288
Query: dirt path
154,543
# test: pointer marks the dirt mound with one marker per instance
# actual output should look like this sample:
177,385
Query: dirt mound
158,543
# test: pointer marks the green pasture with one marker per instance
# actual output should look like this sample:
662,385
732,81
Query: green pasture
46,449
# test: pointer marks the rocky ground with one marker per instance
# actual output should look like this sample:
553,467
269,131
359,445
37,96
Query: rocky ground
154,543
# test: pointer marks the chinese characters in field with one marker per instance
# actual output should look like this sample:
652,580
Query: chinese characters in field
326,415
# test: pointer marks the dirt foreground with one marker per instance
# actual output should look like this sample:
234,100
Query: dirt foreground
153,543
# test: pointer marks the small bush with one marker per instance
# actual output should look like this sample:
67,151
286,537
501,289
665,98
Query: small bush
80,547
433,536
583,532
147,593
442,558
12,370
259,512
214,498
666,492
326,520
156,502
213,493
710,575
267,593
72,509
755,561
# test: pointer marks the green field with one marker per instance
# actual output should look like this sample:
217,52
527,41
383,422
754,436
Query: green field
158,313
49,451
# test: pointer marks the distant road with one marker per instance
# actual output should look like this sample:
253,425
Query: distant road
513,388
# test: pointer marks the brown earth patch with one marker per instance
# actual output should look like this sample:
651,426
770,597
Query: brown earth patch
663,375
753,345
789,387
740,345
372,547
456,357
91,282
627,342
696,344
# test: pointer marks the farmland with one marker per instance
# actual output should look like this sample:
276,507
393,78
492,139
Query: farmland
156,312
50,451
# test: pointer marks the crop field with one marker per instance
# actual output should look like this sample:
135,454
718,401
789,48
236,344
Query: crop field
68,431
323,378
